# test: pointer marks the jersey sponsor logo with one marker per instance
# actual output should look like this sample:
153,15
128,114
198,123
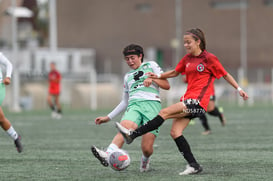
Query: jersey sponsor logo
200,67
137,75
138,85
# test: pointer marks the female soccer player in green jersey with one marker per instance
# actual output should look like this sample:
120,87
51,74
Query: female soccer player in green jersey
141,100
4,122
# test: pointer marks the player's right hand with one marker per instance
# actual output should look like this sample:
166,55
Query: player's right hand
6,81
100,120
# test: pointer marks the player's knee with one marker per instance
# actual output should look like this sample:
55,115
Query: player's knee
164,113
174,134
147,150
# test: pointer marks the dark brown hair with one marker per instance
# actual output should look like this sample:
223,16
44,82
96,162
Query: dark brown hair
133,49
196,33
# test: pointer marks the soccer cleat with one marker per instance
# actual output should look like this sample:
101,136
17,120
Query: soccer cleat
58,116
191,170
125,133
100,155
144,165
18,144
207,132
53,114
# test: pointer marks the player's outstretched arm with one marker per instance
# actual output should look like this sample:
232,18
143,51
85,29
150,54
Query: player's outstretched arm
103,119
165,75
162,83
233,82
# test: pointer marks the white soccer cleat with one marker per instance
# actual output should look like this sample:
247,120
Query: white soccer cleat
144,165
58,116
53,114
206,132
100,155
124,132
191,170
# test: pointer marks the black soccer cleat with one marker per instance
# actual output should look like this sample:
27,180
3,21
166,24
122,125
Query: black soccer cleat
125,133
18,144
100,155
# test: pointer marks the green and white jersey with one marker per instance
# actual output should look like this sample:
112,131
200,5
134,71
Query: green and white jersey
133,83
4,61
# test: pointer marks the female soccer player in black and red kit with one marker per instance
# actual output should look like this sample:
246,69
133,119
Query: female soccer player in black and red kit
201,68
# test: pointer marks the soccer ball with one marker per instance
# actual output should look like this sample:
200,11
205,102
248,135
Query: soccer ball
119,160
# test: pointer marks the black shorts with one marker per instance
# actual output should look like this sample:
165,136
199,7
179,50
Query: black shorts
193,108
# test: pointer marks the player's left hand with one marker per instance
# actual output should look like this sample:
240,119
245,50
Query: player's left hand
6,81
243,94
147,82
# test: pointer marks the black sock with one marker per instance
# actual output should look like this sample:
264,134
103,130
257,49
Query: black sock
204,121
52,108
216,112
185,150
149,126
59,111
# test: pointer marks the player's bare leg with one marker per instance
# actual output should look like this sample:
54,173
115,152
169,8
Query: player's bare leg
183,146
147,144
58,106
6,126
51,105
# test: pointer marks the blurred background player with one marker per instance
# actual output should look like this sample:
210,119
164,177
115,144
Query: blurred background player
211,110
140,100
54,90
4,122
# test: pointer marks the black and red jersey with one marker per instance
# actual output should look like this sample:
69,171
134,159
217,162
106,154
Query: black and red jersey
201,72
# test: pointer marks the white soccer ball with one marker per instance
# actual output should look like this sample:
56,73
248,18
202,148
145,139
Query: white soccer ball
119,160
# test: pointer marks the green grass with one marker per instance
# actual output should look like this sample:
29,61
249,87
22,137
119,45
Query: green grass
60,149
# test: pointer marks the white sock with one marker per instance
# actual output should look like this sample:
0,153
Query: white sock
12,133
144,158
112,147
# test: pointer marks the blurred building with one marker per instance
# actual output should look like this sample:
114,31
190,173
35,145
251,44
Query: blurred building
108,26
94,32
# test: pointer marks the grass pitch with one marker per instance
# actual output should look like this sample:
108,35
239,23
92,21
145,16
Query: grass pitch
60,149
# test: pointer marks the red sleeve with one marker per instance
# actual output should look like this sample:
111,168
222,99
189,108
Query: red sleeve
180,67
216,67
